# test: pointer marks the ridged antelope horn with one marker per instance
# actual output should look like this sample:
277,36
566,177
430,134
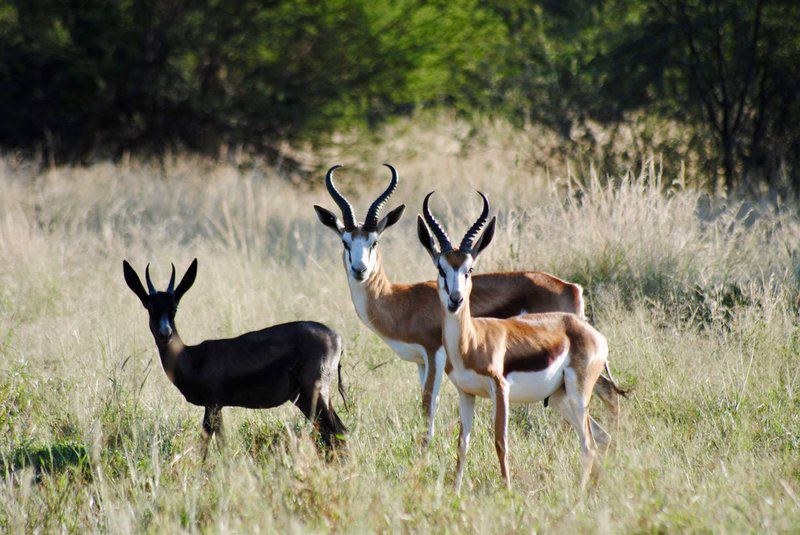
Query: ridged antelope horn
347,209
438,231
150,287
472,233
371,222
171,287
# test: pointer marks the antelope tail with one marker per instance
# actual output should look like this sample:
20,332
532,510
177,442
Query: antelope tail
618,389
341,388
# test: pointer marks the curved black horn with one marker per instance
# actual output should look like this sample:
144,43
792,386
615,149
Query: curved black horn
438,231
341,202
171,287
371,222
472,233
150,287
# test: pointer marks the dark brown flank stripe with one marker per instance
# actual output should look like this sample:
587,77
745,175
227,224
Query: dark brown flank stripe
533,362
505,309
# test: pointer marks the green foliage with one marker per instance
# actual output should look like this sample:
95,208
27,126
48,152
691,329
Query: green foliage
726,71
715,83
50,459
128,75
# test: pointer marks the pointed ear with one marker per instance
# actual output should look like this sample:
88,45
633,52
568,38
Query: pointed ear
329,219
134,283
391,218
186,281
486,238
425,238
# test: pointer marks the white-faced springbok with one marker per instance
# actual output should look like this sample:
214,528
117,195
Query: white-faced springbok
406,316
294,362
523,359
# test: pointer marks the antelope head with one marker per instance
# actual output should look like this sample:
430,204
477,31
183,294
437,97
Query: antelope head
359,240
454,265
161,306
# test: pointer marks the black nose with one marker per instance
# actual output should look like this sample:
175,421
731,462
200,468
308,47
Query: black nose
455,302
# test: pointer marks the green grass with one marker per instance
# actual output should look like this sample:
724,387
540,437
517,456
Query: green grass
700,313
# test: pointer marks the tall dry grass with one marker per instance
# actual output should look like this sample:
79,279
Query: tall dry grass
696,297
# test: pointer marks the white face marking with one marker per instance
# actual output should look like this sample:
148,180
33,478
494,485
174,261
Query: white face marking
360,254
453,283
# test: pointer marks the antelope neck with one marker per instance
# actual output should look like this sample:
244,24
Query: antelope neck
376,285
372,300
458,331
170,352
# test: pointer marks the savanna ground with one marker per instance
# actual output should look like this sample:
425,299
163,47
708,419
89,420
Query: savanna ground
697,298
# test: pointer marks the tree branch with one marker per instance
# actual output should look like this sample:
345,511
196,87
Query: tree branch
683,21
749,77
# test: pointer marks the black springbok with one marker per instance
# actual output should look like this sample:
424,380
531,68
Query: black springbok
294,362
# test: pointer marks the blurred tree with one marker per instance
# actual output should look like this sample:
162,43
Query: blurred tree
85,77
728,69
735,65
76,75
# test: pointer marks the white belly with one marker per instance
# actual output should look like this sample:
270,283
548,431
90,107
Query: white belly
471,382
408,352
525,387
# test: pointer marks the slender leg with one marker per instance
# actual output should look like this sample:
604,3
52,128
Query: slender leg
560,403
577,404
599,434
322,416
206,433
212,425
427,385
423,377
466,408
500,397
435,378
307,404
605,391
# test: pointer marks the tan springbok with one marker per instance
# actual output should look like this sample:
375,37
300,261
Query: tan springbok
524,359
406,316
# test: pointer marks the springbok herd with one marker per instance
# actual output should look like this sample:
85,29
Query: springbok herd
516,337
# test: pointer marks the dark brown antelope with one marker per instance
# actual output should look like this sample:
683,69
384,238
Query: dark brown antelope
523,359
294,362
406,316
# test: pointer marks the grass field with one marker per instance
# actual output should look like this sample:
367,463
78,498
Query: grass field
698,301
